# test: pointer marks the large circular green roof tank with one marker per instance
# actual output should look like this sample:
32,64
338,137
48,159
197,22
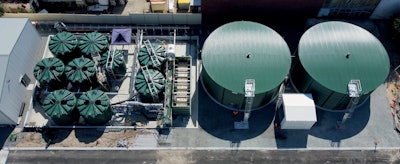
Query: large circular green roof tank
244,50
94,106
49,72
60,107
331,54
142,86
145,59
117,63
81,72
93,43
63,46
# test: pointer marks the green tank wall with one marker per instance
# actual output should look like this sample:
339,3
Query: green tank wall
323,97
229,98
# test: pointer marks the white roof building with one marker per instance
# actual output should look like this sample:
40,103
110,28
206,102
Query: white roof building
299,111
19,47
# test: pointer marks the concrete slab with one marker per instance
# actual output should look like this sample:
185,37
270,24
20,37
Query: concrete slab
3,156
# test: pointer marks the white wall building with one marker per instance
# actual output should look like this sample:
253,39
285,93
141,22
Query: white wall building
19,52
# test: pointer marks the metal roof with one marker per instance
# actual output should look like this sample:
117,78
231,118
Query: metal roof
10,31
244,50
333,53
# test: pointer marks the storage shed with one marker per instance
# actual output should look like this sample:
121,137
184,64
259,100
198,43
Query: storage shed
337,58
299,111
20,43
244,50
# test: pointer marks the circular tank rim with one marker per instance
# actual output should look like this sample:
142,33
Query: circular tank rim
265,53
345,55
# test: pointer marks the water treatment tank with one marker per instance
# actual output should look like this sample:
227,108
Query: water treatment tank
331,54
63,46
244,50
81,72
93,43
60,107
149,84
49,72
114,59
95,107
152,55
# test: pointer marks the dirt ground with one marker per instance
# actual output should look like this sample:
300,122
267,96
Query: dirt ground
77,138
392,93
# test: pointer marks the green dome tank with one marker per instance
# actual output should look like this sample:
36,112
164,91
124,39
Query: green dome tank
331,54
159,56
93,43
118,65
81,72
60,107
49,72
63,46
244,50
142,87
94,106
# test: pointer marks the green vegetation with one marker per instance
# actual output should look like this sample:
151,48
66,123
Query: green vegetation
1,9
396,28
13,137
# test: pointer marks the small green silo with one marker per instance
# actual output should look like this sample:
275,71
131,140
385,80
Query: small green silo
150,83
60,105
330,55
95,107
81,72
115,60
63,45
152,55
244,50
93,43
50,72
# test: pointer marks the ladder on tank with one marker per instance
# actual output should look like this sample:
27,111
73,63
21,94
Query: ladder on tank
109,63
150,83
249,93
354,91
152,53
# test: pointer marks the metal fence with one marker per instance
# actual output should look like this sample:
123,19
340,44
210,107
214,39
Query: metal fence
139,19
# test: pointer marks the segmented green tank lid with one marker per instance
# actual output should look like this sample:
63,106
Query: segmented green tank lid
118,64
48,70
60,106
145,59
80,70
141,84
62,43
93,42
94,106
